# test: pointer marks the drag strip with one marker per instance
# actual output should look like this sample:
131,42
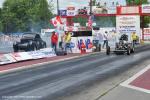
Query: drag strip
48,82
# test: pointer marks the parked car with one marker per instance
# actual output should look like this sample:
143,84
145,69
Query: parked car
29,42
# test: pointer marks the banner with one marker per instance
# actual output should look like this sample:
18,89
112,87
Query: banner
71,11
128,25
146,35
146,9
21,56
63,12
6,59
42,53
107,6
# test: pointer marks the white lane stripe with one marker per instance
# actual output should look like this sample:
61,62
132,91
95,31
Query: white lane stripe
127,82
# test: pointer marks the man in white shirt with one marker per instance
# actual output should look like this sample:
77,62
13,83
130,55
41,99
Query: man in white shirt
105,39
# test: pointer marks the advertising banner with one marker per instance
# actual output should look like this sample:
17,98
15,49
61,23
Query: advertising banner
146,8
63,12
42,53
87,41
128,25
71,11
48,52
146,35
74,45
77,41
6,59
21,56
107,6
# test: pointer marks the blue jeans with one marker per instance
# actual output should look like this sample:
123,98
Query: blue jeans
54,46
67,46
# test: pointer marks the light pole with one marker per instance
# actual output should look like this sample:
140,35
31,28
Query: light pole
57,7
90,7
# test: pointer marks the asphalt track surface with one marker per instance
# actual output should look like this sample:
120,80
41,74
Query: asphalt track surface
51,81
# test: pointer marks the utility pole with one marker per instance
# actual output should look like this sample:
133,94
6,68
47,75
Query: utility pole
90,7
57,7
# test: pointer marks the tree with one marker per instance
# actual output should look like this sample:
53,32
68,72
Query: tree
25,15
136,2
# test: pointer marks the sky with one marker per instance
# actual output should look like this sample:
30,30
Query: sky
76,3
64,3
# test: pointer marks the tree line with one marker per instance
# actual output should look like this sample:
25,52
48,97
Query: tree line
32,15
25,15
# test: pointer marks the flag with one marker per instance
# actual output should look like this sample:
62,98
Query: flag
56,21
90,21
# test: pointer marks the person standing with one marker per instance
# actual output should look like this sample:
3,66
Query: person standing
54,40
67,41
105,39
134,38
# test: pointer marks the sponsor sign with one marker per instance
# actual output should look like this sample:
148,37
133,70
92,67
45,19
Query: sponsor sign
42,53
6,59
127,25
87,41
129,10
74,43
48,52
107,6
77,41
71,11
146,35
146,8
21,56
63,12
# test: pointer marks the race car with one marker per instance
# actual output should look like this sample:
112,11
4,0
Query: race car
122,47
29,42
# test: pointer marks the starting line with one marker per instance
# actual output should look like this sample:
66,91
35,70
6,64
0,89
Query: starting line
129,83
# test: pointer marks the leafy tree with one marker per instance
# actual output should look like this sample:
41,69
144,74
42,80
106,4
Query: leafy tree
25,15
136,2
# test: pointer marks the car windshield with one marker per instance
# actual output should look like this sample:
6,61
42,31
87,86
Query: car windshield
28,35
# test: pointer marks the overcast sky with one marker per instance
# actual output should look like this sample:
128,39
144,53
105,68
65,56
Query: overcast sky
64,3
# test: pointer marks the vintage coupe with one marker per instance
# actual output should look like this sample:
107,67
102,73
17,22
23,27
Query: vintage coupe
29,42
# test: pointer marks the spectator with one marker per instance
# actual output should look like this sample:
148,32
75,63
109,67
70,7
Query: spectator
105,39
67,41
54,40
134,38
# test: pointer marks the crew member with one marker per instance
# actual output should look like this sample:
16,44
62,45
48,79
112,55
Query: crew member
54,40
68,41
134,38
105,39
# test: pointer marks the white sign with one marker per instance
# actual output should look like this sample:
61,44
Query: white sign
146,8
128,24
130,10
107,6
146,35
21,56
6,59
71,11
